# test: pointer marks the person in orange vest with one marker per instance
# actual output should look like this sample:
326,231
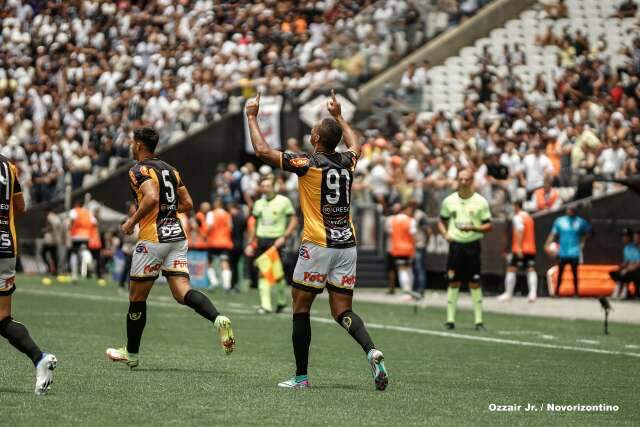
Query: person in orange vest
402,229
546,197
95,247
81,225
523,254
199,227
219,241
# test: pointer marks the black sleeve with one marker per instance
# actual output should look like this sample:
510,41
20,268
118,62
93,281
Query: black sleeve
296,163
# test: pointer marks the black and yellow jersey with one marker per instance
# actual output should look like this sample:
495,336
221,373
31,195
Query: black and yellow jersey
9,187
162,223
325,196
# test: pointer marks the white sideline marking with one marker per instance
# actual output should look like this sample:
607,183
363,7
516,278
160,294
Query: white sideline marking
632,346
519,332
370,325
592,342
547,337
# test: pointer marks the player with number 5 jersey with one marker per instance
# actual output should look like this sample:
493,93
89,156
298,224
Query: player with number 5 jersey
160,195
327,256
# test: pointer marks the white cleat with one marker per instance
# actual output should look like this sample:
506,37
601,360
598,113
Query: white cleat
532,297
44,373
378,370
504,297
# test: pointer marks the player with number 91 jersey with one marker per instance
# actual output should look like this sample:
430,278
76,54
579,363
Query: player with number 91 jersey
162,224
325,196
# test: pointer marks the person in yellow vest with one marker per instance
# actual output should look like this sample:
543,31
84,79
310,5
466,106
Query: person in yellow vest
402,229
523,254
219,227
81,224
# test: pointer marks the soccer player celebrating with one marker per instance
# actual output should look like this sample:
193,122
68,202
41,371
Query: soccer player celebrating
160,195
464,219
16,333
328,254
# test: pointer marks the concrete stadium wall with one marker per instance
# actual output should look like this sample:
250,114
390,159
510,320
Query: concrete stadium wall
447,44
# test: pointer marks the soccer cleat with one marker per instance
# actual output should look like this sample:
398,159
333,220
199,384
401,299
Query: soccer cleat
44,373
223,325
504,297
449,325
122,355
480,327
379,372
295,383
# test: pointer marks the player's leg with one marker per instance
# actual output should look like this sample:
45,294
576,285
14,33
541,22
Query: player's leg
453,289
225,273
300,337
404,275
561,265
18,335
180,286
340,283
309,279
472,273
510,279
264,287
145,265
211,271
532,278
574,269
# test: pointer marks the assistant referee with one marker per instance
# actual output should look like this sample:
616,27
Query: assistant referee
464,219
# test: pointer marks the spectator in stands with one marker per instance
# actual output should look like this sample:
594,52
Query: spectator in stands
536,165
571,231
547,197
627,9
556,9
629,271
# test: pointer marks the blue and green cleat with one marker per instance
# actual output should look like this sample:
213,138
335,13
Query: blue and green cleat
297,383
378,370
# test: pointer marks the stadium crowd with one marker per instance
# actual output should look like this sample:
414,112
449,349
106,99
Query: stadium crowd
77,76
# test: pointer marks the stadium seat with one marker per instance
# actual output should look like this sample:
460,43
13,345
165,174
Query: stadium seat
594,281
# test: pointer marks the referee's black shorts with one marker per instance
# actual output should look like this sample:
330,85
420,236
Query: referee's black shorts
463,262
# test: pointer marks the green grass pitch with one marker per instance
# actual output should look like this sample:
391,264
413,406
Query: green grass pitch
185,379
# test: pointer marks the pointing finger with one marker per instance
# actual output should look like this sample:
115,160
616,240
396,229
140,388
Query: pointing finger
333,95
258,98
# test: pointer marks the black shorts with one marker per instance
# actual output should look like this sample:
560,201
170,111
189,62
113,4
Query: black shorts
401,261
463,262
524,262
223,254
76,245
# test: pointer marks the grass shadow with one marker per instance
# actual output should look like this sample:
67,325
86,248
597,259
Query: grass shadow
14,391
183,370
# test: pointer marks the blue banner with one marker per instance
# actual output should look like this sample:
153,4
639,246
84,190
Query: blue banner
198,268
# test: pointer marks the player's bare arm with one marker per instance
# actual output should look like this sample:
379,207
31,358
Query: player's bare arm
185,203
348,135
260,146
442,228
19,206
482,228
150,199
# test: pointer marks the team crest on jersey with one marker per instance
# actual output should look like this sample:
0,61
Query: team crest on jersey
304,253
144,170
299,162
141,249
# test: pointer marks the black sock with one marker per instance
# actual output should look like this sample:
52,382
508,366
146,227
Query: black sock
201,304
301,338
136,320
18,336
355,326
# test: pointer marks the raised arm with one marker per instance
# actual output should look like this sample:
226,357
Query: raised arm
348,135
260,146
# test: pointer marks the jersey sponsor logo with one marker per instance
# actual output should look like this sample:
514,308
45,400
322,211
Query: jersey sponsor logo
142,249
8,283
348,281
304,253
152,268
171,230
299,162
341,235
144,170
314,277
328,209
180,263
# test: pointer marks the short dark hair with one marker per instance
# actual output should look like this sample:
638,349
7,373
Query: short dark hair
148,136
330,134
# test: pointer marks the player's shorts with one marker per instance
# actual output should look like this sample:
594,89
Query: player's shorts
149,258
463,262
7,276
318,267
522,263
223,254
401,261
